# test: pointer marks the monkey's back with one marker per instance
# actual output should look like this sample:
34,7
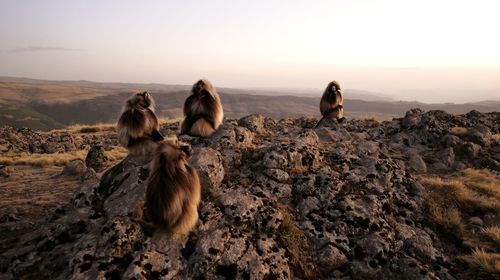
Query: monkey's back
136,124
330,103
172,198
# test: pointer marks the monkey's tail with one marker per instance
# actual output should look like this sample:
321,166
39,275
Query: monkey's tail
202,127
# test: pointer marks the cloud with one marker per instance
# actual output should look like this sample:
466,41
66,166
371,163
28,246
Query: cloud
42,49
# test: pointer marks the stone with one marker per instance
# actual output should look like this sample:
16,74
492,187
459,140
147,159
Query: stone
280,200
96,158
208,163
277,174
75,168
415,162
4,171
9,214
255,123
480,135
274,160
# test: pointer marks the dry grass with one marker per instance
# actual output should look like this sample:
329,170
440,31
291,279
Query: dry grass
56,159
467,194
464,194
493,233
451,201
81,128
458,131
292,239
448,217
163,120
376,118
290,234
482,181
489,262
117,153
99,127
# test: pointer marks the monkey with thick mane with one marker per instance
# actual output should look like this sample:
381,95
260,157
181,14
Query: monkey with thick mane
138,126
203,110
332,103
173,189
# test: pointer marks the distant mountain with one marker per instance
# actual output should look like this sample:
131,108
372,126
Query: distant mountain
46,105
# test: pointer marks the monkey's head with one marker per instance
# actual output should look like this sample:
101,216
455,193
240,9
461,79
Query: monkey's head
333,87
172,155
203,88
140,101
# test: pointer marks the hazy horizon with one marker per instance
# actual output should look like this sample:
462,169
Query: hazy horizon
426,51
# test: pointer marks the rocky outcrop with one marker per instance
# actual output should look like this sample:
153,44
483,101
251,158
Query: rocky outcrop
281,200
96,158
74,168
4,171
26,140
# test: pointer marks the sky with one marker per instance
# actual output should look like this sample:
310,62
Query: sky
429,51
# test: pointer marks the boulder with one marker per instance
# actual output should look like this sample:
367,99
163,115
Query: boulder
254,123
96,158
208,163
75,168
4,171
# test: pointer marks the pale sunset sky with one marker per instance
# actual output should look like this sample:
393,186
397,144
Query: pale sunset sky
430,51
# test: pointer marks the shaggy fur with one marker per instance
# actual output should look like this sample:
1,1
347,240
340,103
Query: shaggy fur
203,110
138,126
173,189
332,103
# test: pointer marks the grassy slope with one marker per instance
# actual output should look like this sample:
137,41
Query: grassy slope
47,105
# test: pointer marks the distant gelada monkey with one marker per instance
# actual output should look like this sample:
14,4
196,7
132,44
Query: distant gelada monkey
332,104
203,110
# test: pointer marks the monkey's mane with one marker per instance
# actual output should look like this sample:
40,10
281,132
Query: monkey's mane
169,190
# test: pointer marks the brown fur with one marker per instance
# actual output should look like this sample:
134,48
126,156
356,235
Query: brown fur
138,126
173,189
203,110
332,102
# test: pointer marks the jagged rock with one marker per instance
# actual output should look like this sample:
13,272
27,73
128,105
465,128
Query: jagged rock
330,259
208,163
480,135
415,162
9,214
254,123
274,160
420,245
326,122
277,174
371,253
74,168
467,151
27,140
96,158
412,118
89,174
450,140
4,171
281,201
447,156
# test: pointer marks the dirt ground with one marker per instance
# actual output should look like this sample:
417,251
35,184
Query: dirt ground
29,195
